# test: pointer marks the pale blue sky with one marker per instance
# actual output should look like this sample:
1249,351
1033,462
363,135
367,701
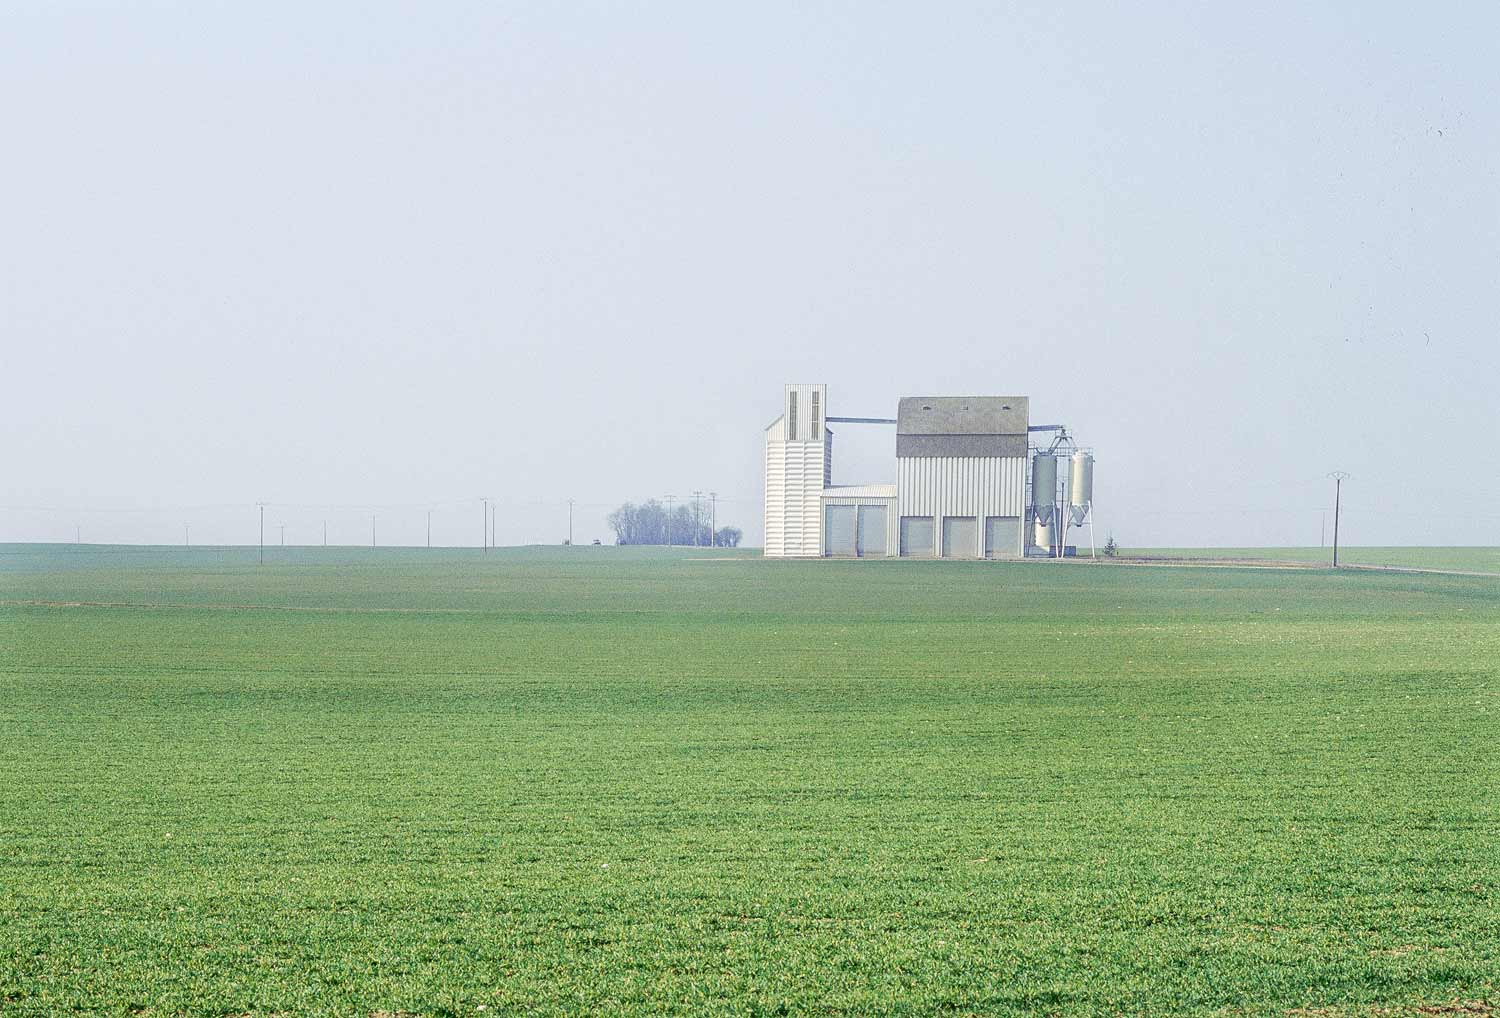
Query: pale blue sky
388,255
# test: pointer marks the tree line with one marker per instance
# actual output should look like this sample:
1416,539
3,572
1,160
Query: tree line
650,523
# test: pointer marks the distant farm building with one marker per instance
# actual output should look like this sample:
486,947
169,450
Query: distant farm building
969,482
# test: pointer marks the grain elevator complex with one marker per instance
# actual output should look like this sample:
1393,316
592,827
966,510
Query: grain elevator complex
974,479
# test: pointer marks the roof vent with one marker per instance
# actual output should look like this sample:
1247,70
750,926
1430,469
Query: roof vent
926,408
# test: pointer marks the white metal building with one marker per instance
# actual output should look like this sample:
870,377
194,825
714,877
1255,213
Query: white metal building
961,482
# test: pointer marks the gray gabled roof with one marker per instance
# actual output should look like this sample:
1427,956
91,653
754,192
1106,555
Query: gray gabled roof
962,425
962,415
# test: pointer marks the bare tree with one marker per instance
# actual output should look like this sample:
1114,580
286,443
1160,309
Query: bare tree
649,523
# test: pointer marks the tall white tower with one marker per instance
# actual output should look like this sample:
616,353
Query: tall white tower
798,467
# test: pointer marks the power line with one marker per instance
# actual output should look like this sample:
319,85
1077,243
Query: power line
1339,477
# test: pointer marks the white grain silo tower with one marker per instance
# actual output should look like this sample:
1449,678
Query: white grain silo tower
798,468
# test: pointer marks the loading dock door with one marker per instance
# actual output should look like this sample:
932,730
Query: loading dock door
960,537
872,530
1002,536
839,530
916,536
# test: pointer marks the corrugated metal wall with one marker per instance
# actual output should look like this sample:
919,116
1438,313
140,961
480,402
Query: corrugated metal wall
941,486
794,482
805,420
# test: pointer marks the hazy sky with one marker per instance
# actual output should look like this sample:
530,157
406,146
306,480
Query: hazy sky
370,257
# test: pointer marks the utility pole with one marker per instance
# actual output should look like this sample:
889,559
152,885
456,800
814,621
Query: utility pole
570,521
713,519
429,528
670,500
1339,477
697,512
77,533
325,533
484,531
262,506
283,534
372,530
185,542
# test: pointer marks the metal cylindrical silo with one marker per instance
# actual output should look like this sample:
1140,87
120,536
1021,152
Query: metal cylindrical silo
1043,481
1081,486
1041,536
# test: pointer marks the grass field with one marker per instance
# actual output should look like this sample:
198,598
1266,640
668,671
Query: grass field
621,781
1483,559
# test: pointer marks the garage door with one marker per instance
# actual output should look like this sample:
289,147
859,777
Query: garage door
872,530
960,537
1002,536
839,530
916,536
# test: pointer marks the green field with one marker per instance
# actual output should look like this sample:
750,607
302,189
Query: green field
623,781
1480,559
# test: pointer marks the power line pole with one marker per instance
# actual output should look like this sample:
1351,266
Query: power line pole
670,499
77,533
570,521
186,543
1339,477
713,519
494,520
697,513
325,533
372,530
484,530
283,534
429,528
262,506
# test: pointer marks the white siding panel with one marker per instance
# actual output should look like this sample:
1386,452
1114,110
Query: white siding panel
794,486
960,486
